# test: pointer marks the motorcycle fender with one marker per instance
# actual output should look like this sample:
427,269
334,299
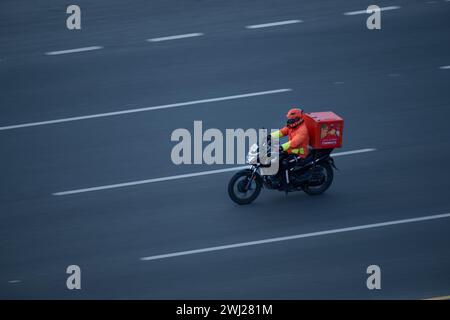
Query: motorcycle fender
331,161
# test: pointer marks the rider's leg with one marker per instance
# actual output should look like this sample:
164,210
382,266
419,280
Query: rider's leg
290,162
287,162
282,171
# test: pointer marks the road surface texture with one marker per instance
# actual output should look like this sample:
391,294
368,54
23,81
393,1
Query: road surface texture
62,129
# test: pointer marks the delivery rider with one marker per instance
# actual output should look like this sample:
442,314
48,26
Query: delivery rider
297,145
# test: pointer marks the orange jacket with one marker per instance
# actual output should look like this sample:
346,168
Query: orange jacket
298,139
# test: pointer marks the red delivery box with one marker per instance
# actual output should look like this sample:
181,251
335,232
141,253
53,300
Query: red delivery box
325,129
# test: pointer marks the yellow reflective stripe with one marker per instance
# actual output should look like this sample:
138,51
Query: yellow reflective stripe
286,145
276,134
298,151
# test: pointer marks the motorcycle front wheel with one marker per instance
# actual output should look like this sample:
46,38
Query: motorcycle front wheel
243,188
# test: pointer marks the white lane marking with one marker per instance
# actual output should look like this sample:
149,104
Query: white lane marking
441,297
273,24
296,236
179,36
166,106
182,176
445,67
352,13
14,281
346,153
54,53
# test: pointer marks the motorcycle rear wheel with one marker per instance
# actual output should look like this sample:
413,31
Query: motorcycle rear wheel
325,172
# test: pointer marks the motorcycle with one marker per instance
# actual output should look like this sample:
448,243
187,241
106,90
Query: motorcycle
312,175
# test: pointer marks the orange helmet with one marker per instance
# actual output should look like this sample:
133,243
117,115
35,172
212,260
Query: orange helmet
294,117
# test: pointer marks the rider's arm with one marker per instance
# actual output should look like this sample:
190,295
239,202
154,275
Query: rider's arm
286,146
301,137
280,133
277,134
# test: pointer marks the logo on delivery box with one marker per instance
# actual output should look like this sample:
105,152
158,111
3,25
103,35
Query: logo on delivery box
330,133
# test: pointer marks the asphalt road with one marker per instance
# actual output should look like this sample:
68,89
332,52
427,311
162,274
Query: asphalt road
390,85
